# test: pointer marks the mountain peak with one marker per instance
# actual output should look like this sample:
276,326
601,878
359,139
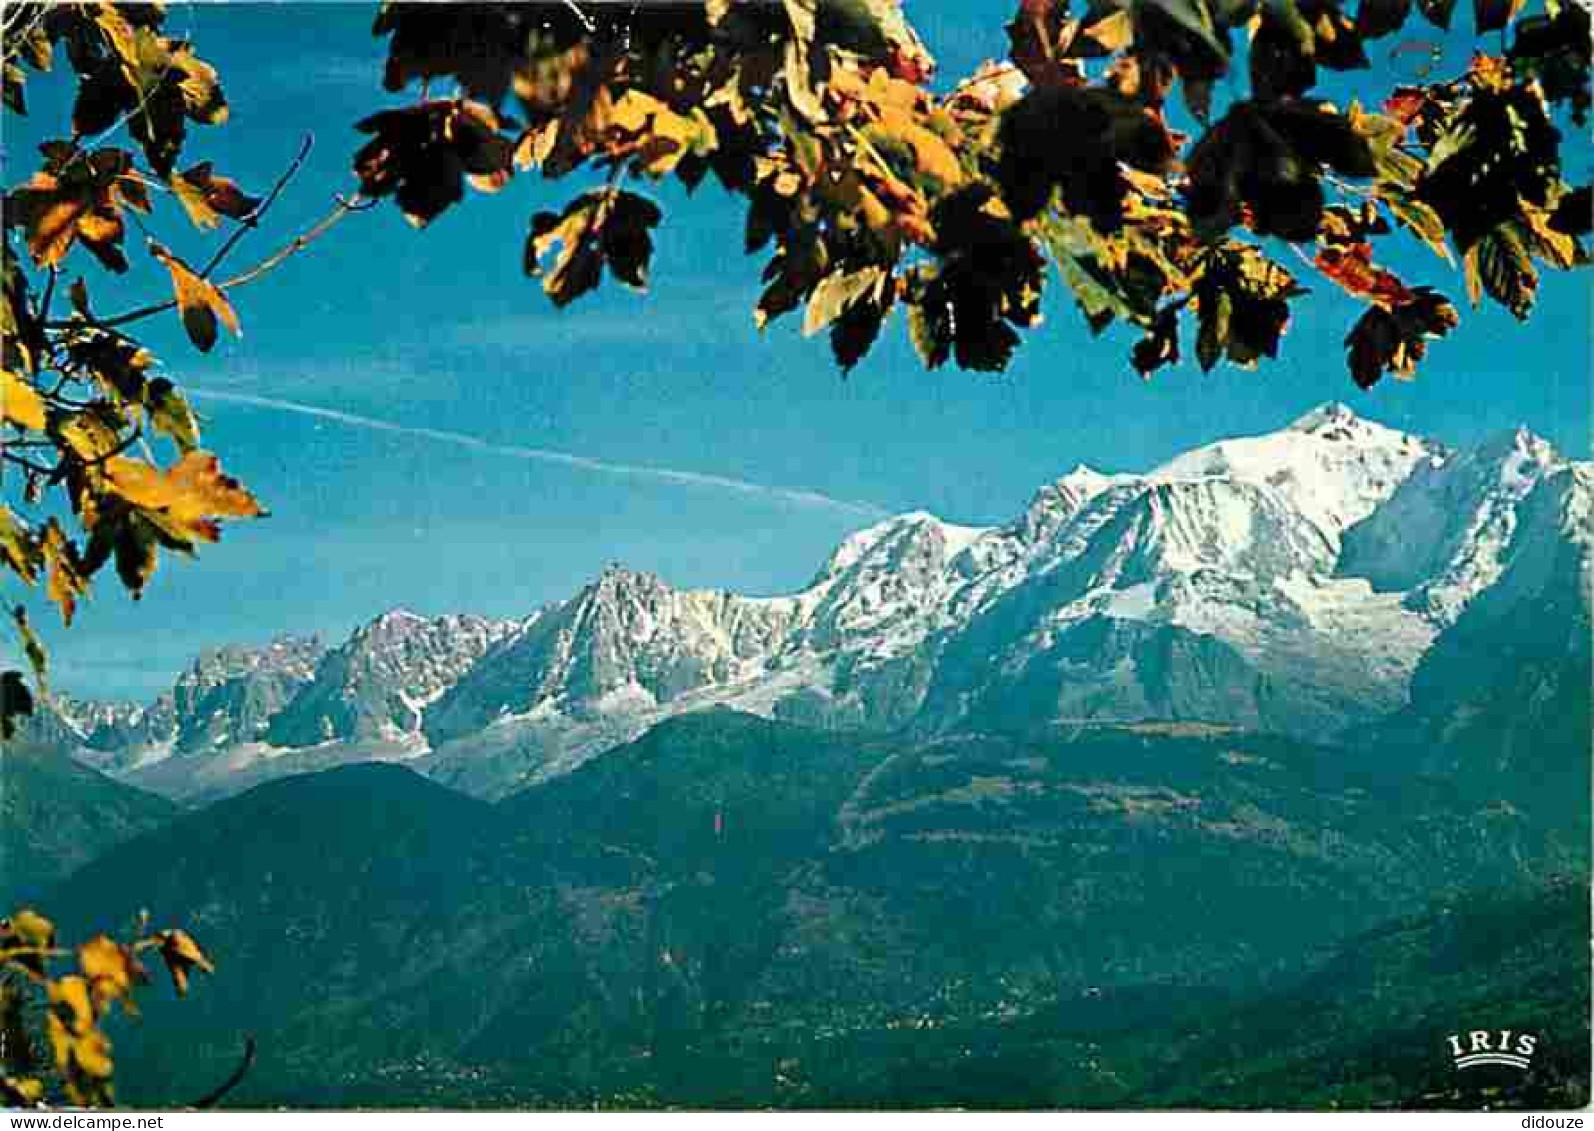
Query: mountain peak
1520,439
1326,416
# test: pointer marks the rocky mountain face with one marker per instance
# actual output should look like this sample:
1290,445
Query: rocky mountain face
1317,581
378,684
226,698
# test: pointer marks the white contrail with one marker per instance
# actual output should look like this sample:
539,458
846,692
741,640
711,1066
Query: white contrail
544,455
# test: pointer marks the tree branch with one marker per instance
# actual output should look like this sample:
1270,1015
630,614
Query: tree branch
216,1095
252,220
296,245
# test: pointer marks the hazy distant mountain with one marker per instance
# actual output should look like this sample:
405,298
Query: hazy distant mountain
1317,581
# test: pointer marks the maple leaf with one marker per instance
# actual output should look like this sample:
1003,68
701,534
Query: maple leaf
182,954
1394,340
76,201
66,580
207,197
184,501
199,301
421,156
610,227
1353,269
111,970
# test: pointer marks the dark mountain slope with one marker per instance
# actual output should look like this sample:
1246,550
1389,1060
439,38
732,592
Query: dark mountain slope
729,902
56,814
304,891
1366,1028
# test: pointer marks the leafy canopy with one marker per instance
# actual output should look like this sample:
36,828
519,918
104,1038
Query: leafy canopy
865,191
85,408
102,975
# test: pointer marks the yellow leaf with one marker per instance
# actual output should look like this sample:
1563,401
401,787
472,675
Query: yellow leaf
199,301
182,953
110,968
71,1002
21,1091
661,137
1113,33
932,155
20,403
27,928
66,576
1554,246
49,211
89,437
835,293
185,500
17,548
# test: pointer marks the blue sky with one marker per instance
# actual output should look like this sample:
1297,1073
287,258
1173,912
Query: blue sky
438,331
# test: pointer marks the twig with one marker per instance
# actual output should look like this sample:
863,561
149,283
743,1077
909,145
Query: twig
253,219
49,293
296,245
134,437
216,1095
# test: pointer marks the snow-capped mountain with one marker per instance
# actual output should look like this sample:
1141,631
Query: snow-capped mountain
1300,582
378,684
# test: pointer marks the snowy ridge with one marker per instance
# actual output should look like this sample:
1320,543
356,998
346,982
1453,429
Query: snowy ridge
1291,582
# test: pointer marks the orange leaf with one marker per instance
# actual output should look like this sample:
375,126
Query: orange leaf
185,500
199,301
1353,269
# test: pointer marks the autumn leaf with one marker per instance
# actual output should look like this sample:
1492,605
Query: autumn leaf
76,199
182,954
199,301
1395,340
422,156
654,136
1499,266
27,929
110,969
20,402
610,227
1159,346
835,293
578,265
626,238
1353,269
32,646
18,549
21,1091
1242,306
88,435
66,580
170,413
207,197
184,501
82,1051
